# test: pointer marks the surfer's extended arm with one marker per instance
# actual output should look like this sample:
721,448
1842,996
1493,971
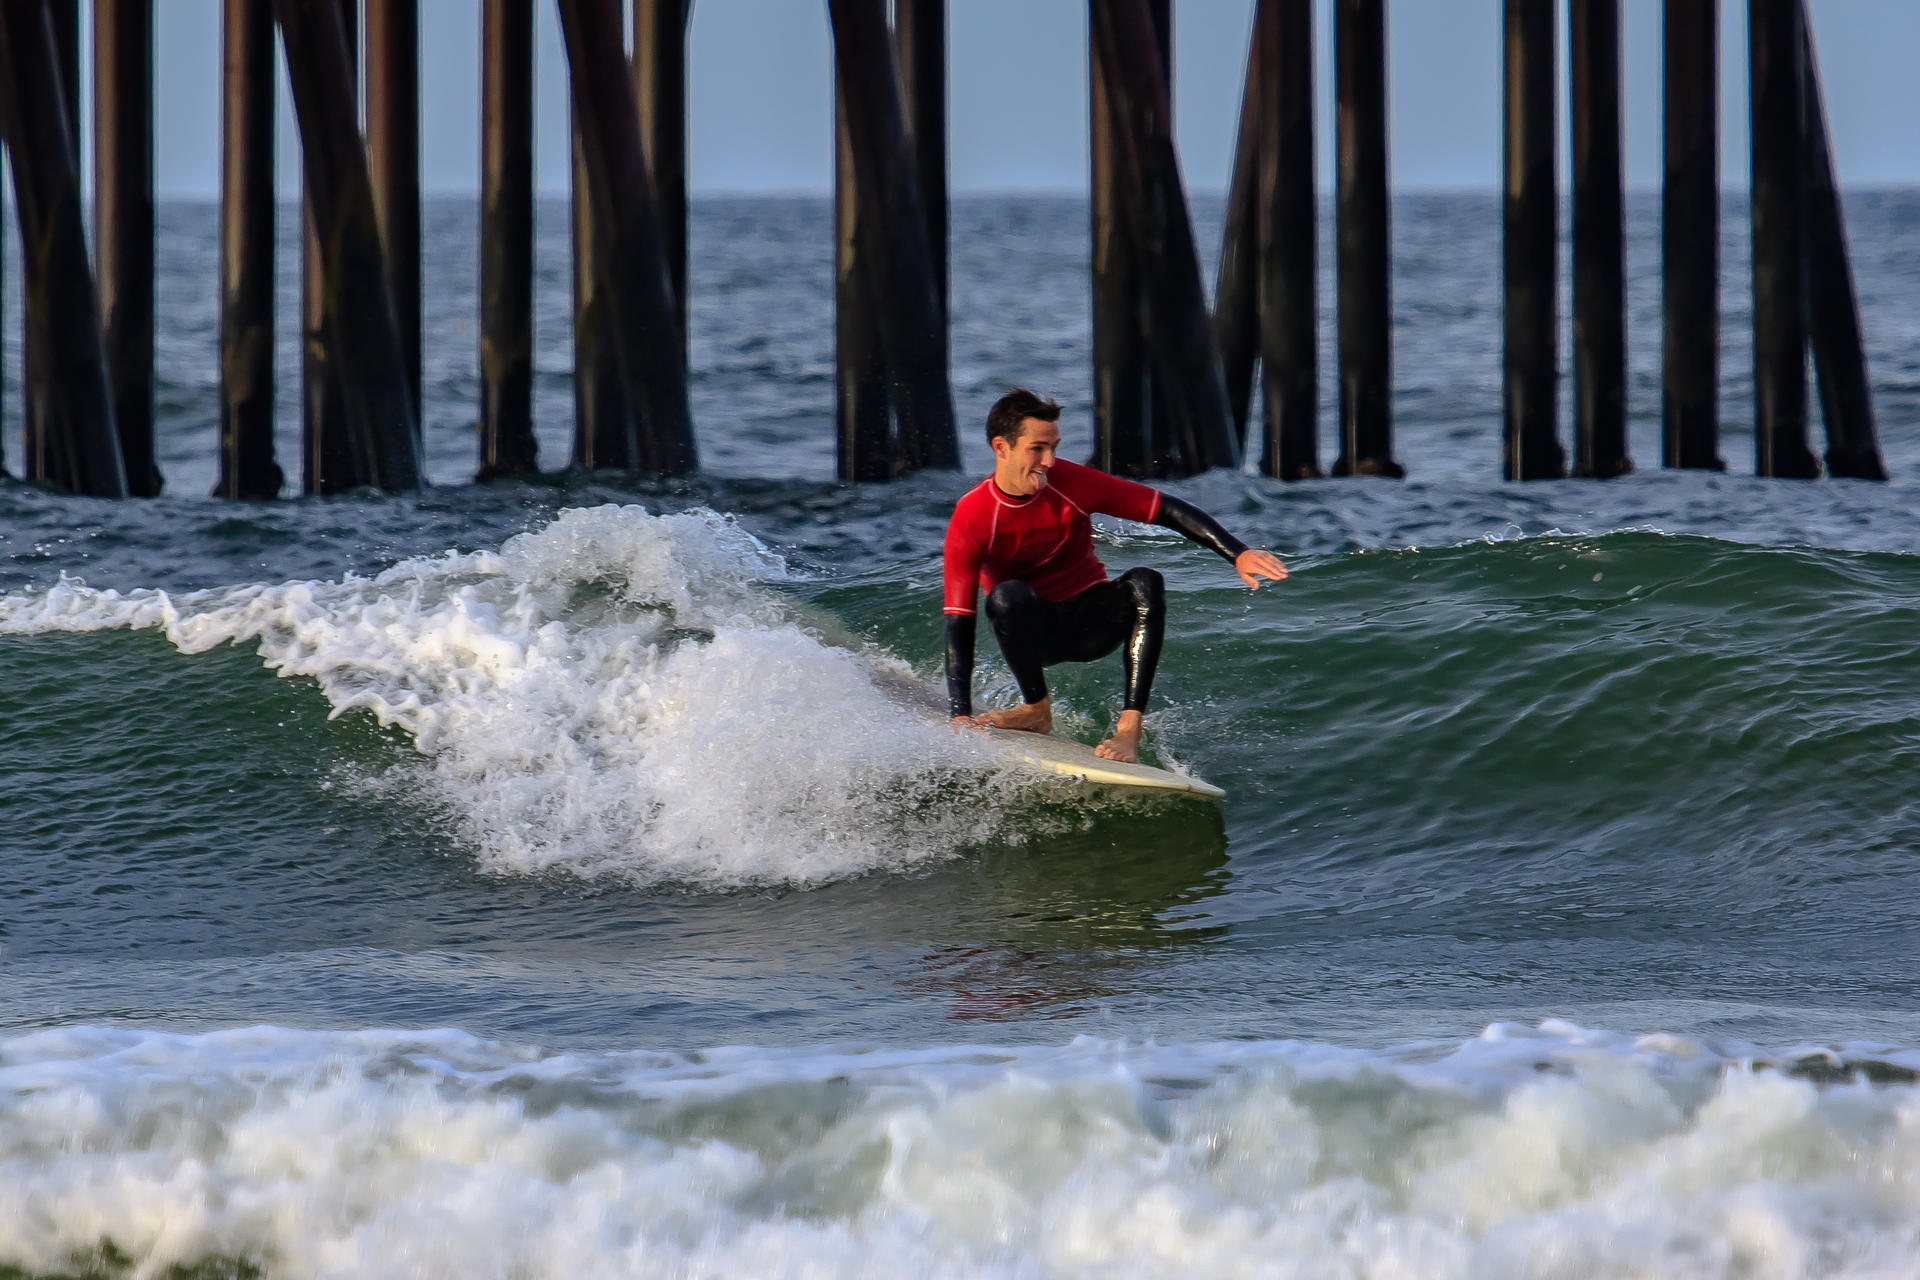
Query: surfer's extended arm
1196,525
960,630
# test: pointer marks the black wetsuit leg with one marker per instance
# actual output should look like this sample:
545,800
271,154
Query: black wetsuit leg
1035,634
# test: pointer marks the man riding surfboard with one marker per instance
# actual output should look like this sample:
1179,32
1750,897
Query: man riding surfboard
1024,536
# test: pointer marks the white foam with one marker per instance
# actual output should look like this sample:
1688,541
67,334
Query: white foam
615,694
1547,1152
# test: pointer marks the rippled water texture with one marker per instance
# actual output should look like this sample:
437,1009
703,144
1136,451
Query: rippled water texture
572,877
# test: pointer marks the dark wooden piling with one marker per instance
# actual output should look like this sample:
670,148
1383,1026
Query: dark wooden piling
920,45
1833,305
123,223
393,160
1122,381
65,18
1365,245
1599,245
1531,369
507,444
605,426
1186,356
648,339
1690,238
247,465
887,188
72,442
1288,219
329,461
1776,54
660,84
1236,286
864,449
358,320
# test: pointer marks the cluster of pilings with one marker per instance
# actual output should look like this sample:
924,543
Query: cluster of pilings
1803,287
1173,378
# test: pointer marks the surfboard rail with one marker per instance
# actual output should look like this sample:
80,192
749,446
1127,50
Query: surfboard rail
1073,759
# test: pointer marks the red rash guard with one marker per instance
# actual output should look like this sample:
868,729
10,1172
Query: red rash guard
1045,541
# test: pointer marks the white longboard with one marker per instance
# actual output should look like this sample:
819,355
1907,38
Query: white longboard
1076,760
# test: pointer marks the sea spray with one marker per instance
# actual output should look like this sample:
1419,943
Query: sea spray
1524,1152
617,694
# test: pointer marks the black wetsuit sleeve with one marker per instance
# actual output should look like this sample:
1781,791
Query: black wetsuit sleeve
960,628
1191,522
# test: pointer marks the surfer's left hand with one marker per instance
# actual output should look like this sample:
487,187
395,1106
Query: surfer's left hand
1253,565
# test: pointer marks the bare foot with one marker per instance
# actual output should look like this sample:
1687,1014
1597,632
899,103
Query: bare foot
1124,745
1033,717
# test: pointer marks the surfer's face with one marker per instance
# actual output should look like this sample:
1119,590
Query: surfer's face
1020,468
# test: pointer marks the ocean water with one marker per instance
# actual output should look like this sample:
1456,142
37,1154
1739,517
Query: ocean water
569,877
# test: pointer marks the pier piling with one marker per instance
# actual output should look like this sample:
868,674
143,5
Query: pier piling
1690,238
1122,379
1288,217
507,445
1776,56
1833,304
1530,317
920,42
1365,245
247,465
1185,354
660,85
72,442
893,230
329,463
64,15
123,223
864,447
1236,288
355,307
1599,245
393,162
605,426
647,338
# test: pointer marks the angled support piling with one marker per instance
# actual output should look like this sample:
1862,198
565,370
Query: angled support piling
1776,53
123,223
507,444
887,188
356,307
1530,396
393,161
1833,305
72,442
1365,244
247,465
1599,245
1288,217
647,338
1690,238
1187,369
660,85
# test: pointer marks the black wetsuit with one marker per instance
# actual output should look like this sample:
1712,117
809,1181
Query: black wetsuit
1035,634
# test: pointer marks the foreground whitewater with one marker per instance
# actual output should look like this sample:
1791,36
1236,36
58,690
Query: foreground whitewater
1548,1152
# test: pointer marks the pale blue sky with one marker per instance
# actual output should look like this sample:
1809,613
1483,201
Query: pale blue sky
761,85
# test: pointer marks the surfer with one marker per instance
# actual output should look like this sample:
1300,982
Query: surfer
1025,536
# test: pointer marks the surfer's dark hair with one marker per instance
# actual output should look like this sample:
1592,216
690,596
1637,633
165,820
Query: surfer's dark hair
1014,408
